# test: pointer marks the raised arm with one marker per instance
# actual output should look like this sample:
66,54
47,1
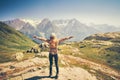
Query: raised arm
66,38
41,38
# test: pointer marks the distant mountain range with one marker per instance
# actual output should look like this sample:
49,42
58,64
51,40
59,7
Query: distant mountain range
60,27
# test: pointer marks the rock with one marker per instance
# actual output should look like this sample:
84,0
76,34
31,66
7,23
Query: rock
96,46
32,70
12,67
63,62
19,56
93,71
39,68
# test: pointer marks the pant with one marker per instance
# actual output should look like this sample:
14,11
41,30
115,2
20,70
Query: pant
55,56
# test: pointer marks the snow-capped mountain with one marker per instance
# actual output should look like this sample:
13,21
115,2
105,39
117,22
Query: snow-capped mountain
62,28
78,30
28,30
47,27
34,23
60,23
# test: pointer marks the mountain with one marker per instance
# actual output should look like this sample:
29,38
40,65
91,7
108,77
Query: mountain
12,40
19,23
61,27
26,26
47,27
77,29
34,23
60,23
15,23
29,30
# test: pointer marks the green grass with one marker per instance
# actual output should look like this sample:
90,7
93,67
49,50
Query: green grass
28,55
64,49
12,41
5,57
100,54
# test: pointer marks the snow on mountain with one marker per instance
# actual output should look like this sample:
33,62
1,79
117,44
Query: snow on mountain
61,27
47,27
27,29
78,30
60,23
32,22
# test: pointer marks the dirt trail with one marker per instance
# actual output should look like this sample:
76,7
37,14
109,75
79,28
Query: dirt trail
66,73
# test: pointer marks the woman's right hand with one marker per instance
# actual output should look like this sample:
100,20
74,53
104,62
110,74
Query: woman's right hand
70,37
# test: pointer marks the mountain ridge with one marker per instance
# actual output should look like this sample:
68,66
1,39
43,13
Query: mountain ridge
62,28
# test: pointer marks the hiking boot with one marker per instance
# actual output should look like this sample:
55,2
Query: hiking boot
50,75
56,76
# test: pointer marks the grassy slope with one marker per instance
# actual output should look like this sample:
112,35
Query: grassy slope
102,54
12,41
99,55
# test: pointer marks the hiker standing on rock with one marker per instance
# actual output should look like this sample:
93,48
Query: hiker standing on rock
53,43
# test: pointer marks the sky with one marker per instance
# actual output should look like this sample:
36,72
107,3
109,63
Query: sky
86,11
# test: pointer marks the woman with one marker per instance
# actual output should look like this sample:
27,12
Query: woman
53,43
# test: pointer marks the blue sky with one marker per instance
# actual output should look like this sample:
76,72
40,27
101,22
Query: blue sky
86,11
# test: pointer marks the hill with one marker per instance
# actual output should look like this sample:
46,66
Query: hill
12,41
102,48
110,36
